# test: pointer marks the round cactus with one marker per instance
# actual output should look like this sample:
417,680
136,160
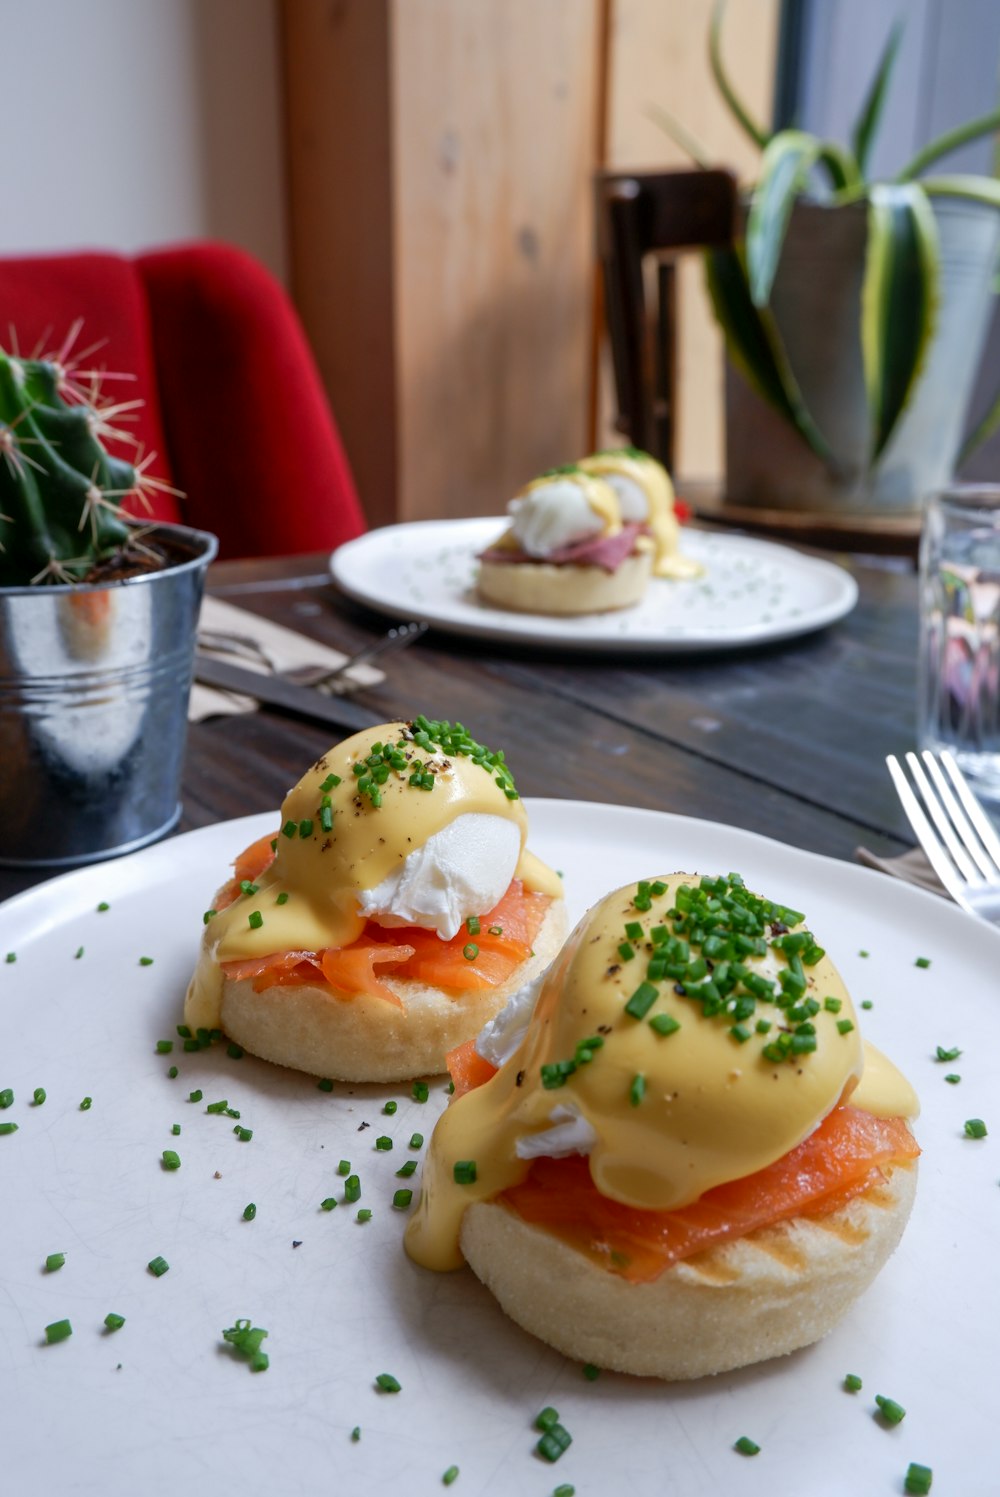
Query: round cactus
61,491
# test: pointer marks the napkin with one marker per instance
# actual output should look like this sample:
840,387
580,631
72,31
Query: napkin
912,867
281,649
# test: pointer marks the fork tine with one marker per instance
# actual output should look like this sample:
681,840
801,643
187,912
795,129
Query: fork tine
942,821
974,811
926,835
959,820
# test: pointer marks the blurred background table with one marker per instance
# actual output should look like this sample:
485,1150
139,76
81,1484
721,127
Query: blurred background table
787,740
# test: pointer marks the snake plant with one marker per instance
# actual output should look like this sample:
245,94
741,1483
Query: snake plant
900,292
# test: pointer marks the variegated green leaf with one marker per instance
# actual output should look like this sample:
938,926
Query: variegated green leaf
986,124
964,185
754,346
898,301
866,126
788,160
757,134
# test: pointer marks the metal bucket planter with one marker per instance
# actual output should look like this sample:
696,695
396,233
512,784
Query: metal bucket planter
94,686
816,303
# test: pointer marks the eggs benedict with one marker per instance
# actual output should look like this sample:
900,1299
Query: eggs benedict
394,911
646,497
567,549
673,1155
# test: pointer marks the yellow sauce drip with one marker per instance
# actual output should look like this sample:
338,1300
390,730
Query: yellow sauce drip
713,1109
322,872
654,481
600,496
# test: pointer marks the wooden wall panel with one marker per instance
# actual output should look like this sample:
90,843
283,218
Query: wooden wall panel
338,137
659,55
493,155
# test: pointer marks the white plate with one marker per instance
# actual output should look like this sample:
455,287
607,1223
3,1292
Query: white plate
752,592
181,1415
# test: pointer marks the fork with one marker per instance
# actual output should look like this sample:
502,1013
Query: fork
953,830
321,675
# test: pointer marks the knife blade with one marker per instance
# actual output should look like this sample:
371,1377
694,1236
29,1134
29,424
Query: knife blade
304,701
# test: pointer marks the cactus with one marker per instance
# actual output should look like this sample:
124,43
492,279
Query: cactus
61,491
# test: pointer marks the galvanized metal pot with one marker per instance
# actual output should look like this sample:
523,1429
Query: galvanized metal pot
816,303
94,686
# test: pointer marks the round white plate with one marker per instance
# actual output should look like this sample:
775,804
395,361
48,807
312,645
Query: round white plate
752,592
161,1406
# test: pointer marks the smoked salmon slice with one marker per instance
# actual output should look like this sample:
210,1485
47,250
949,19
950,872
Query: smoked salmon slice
251,863
843,1157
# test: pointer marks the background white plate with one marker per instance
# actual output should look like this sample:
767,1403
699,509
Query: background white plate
752,592
180,1414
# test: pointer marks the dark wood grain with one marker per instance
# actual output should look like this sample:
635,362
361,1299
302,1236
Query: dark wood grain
787,740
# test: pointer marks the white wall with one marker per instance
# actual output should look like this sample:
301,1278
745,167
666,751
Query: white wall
131,123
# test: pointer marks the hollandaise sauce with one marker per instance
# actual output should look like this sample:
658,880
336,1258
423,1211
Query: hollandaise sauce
691,1031
351,821
645,492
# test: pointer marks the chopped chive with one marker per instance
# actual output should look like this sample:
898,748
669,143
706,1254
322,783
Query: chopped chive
867,1003
255,919
78,953
891,1411
918,1479
171,1160
175,1129
6,1096
953,1078
234,1051
922,961
344,1167
386,1383
416,1140
746,1446
975,1128
85,1105
282,898
844,1026
852,1383
356,1433
943,1054
103,906
243,1134
325,1085
590,1372
833,1005
38,1096
383,1143
546,1418
289,829
305,827
158,1267
464,1172
217,1108
401,1199
626,951
164,1047
6,1128
54,1262
249,1211
389,1108
420,1091
449,1476
352,1188
328,1204
863,953
406,1169
472,925
470,952
554,1443
637,1090
634,930
642,1000
326,819
145,961
364,1215
208,915
113,1321
59,1330
565,1489
664,1024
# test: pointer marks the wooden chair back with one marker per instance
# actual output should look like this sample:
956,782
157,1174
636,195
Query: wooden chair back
642,214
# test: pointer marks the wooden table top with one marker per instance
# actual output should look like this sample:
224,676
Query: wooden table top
788,740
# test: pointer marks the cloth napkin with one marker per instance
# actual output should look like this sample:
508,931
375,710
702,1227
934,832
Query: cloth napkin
283,648
912,867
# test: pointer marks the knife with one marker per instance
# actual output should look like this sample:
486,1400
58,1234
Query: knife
276,691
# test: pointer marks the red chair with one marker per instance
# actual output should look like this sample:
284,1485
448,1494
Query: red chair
232,405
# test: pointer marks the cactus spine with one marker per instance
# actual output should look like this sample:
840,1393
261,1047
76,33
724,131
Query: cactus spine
61,491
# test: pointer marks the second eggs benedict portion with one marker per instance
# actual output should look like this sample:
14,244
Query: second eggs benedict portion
393,912
679,1158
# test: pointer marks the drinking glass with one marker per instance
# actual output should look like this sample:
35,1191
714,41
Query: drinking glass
959,670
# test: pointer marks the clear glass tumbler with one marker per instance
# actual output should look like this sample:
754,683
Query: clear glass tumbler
959,670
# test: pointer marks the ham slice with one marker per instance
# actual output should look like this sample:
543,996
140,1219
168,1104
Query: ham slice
606,551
